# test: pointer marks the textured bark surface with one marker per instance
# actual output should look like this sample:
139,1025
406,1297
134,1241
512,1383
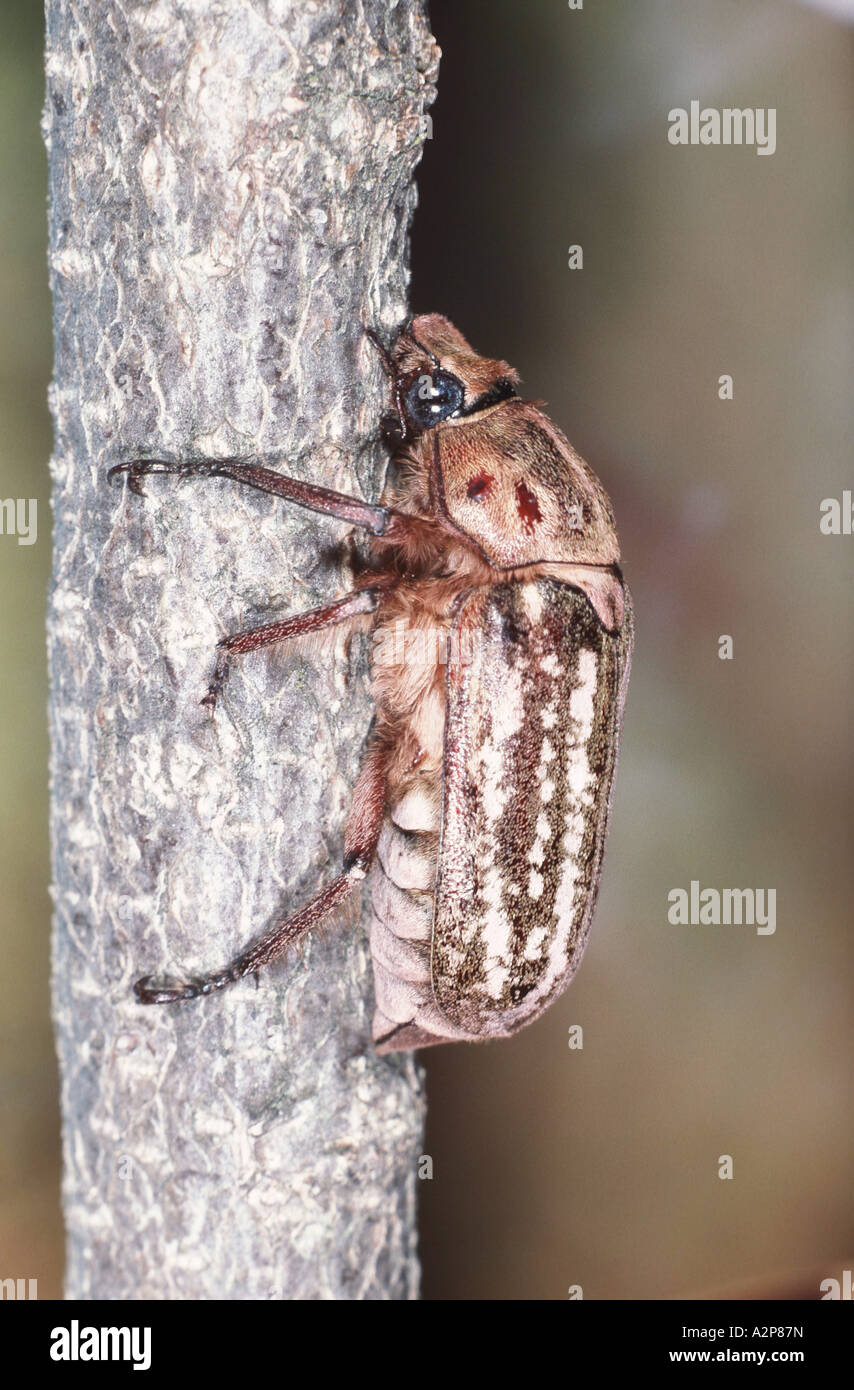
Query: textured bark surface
231,186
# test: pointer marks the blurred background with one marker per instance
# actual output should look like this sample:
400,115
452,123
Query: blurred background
596,1167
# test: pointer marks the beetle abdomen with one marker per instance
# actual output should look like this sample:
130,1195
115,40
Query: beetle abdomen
402,894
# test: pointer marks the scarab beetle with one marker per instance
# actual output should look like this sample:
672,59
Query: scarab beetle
502,646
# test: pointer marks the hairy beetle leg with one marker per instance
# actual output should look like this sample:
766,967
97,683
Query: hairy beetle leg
299,625
363,829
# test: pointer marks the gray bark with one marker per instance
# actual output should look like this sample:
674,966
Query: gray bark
230,193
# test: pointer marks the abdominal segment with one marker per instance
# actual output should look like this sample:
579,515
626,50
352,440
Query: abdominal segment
403,881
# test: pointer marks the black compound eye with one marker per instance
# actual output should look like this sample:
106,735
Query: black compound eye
434,396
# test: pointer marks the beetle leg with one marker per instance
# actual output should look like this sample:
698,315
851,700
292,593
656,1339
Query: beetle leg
269,948
390,523
363,829
310,495
367,806
299,625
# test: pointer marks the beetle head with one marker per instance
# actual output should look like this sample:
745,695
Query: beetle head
436,375
503,474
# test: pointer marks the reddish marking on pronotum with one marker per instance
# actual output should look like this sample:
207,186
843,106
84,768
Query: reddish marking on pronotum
479,486
529,507
484,796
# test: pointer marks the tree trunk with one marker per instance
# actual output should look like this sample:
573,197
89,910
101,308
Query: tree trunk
231,188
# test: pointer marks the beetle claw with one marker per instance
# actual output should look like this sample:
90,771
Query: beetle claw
133,470
149,991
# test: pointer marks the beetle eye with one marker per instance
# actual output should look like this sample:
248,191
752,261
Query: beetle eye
434,396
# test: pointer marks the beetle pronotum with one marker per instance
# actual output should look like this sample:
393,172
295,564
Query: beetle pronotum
485,791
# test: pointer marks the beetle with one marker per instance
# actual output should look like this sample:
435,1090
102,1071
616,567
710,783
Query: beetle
503,639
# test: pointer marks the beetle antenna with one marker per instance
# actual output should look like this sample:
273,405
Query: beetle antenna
385,355
391,372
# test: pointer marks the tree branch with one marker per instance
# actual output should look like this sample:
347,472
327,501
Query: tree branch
231,187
